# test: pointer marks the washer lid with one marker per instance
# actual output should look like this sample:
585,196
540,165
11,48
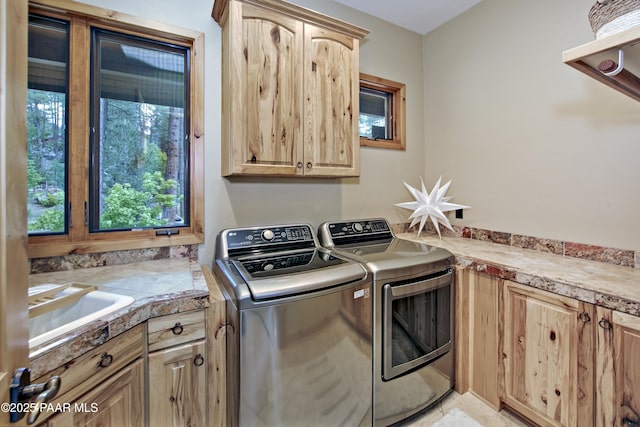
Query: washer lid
289,273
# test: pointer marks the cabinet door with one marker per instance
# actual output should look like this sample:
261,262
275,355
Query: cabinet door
116,402
264,99
618,370
331,141
177,386
548,356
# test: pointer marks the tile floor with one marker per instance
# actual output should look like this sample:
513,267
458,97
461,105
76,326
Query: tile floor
472,406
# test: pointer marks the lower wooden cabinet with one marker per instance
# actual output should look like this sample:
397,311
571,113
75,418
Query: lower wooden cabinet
547,351
177,386
83,396
112,386
617,369
119,401
177,377
555,360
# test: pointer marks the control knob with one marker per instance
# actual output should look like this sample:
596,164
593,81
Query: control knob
357,227
268,235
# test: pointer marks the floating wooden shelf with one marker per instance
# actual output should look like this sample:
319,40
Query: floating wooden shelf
587,57
47,300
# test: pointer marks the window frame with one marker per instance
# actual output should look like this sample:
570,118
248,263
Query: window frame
78,240
397,91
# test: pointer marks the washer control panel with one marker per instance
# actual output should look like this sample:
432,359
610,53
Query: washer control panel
257,237
378,228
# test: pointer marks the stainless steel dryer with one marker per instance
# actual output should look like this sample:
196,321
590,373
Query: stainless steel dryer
413,325
299,336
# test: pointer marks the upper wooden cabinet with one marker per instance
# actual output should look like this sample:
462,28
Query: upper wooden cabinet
589,56
290,83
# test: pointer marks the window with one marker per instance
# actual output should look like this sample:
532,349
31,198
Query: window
114,114
382,105
47,126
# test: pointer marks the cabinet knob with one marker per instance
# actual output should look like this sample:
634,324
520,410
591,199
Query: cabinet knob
604,323
105,360
299,165
309,165
177,329
198,360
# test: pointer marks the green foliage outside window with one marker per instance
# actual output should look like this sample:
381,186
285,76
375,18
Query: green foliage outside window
126,207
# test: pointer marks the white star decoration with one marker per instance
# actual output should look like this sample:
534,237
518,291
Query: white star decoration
430,206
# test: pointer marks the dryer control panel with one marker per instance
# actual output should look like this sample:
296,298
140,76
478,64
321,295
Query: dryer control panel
346,232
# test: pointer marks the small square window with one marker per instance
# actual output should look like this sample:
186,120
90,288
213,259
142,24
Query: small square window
382,105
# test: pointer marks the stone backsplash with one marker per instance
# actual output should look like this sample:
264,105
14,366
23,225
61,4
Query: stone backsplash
622,257
103,259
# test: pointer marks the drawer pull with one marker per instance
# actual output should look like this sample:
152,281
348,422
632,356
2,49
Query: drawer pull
177,329
105,360
604,323
198,360
584,316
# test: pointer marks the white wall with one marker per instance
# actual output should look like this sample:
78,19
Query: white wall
253,201
533,145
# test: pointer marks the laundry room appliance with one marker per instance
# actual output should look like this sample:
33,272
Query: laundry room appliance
299,340
413,324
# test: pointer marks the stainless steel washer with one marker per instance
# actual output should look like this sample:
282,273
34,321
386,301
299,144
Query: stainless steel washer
299,339
413,325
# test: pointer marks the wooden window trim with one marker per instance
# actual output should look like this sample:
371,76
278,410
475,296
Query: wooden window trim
398,114
79,240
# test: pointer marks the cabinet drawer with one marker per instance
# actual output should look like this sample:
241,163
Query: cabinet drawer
175,329
87,371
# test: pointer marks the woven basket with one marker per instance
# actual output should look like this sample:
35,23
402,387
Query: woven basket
608,17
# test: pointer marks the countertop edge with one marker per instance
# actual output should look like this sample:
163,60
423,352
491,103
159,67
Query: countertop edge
61,350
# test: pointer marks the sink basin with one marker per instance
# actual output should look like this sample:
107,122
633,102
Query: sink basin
90,306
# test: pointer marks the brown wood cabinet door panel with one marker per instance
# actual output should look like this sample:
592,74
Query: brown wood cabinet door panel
543,337
331,102
267,92
117,402
627,368
177,386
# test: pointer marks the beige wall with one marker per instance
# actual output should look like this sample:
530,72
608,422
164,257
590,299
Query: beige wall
231,202
534,146
531,144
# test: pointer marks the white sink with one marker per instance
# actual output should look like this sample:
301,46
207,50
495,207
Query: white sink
91,306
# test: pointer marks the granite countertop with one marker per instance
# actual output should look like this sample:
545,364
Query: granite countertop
159,287
607,285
